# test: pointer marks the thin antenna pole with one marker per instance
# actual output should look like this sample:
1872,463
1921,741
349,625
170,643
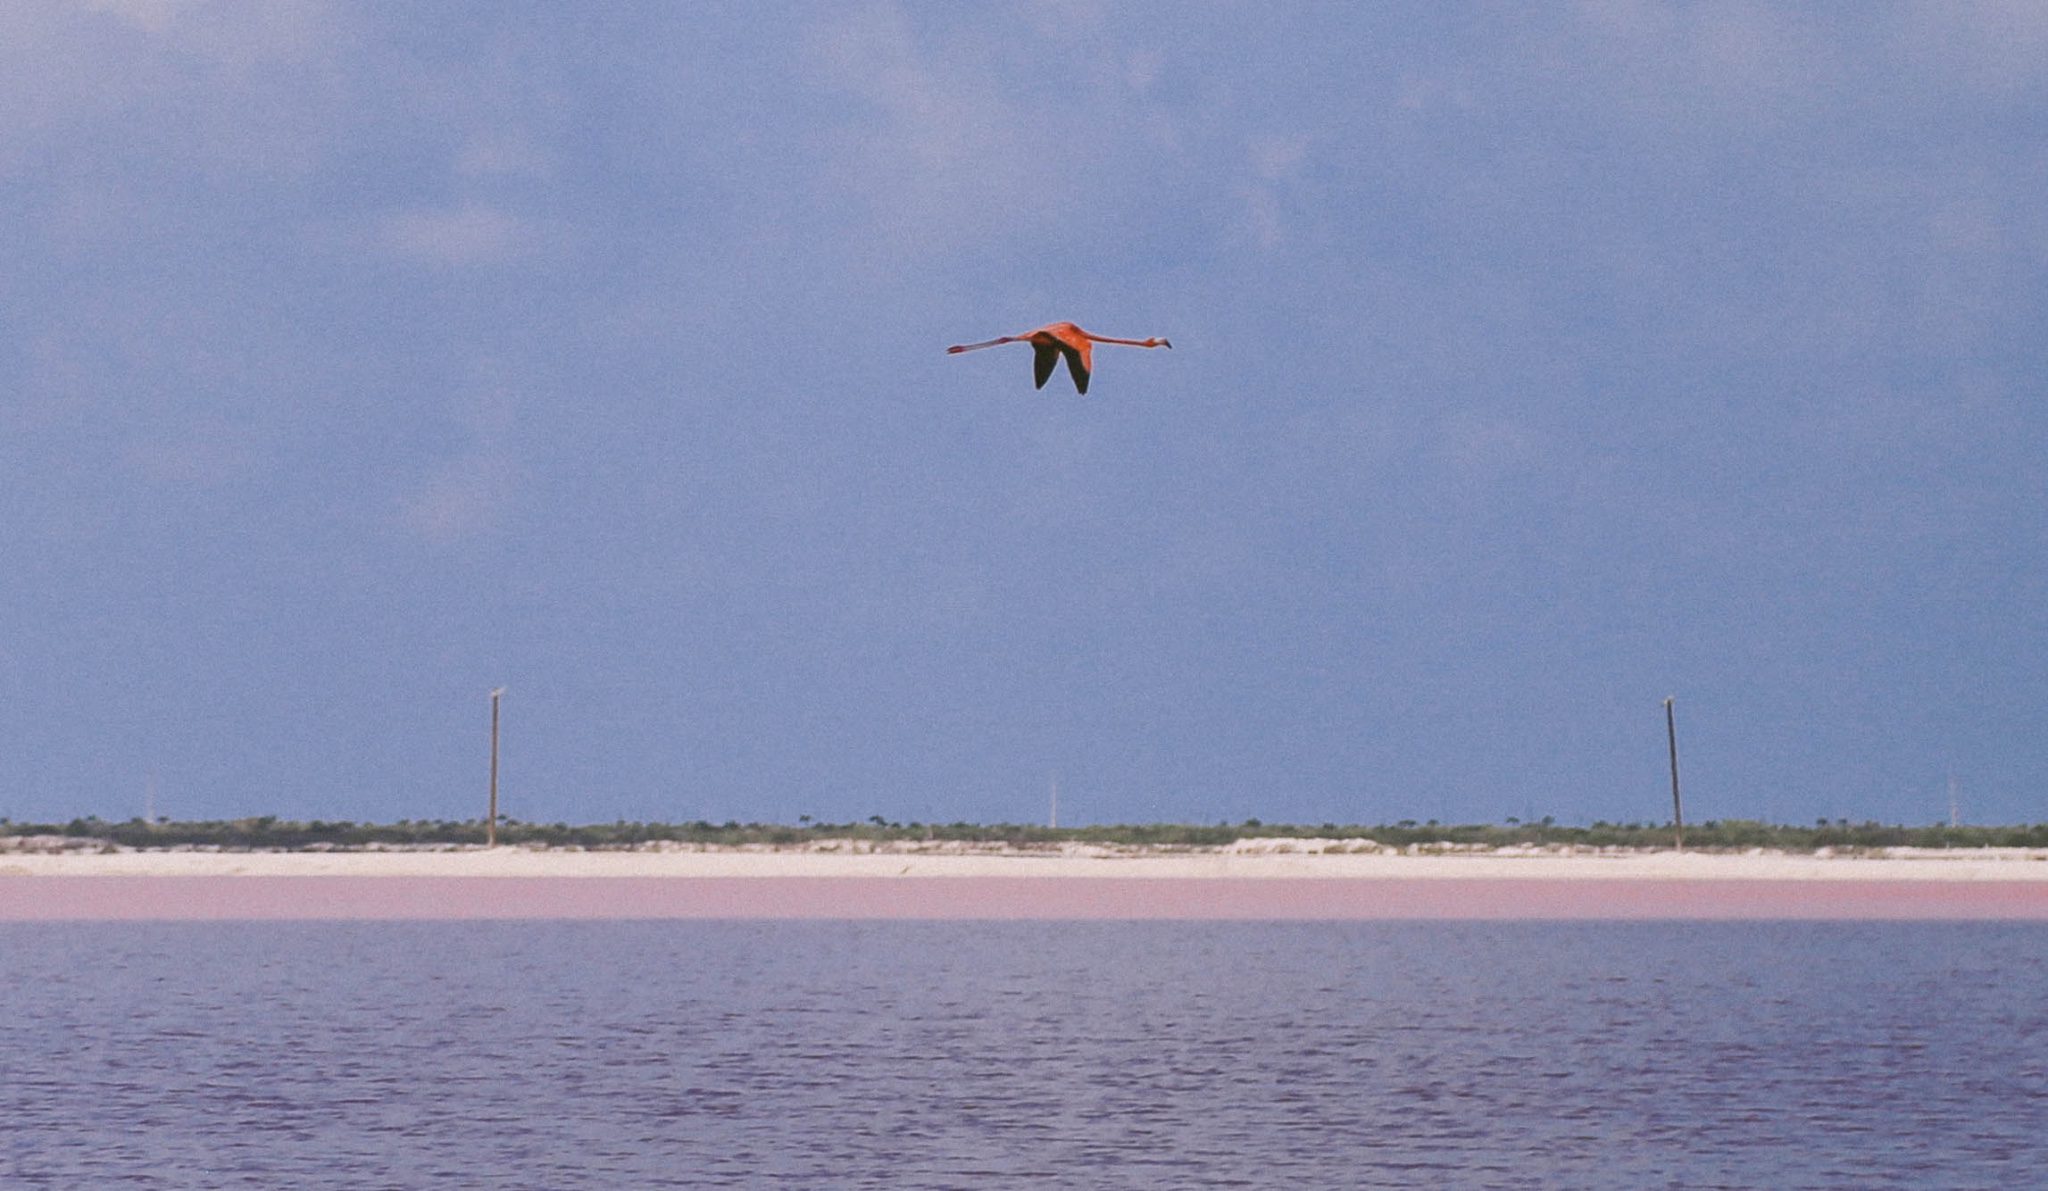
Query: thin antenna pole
491,823
1955,812
1671,736
1053,820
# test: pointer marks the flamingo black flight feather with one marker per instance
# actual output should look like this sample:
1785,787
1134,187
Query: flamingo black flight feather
1043,357
1076,369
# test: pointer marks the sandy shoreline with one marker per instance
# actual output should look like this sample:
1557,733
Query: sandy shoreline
2003,865
518,883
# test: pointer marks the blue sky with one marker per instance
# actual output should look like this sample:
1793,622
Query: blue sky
1529,366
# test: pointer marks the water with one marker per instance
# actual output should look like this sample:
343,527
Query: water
759,1054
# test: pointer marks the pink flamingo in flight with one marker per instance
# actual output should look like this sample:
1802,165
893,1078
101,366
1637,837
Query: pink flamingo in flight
1053,340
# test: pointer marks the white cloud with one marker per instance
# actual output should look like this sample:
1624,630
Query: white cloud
468,235
1753,57
1070,19
1275,163
1748,62
469,492
1421,92
243,84
1484,448
1997,45
201,455
153,15
239,32
463,498
942,155
1142,69
507,153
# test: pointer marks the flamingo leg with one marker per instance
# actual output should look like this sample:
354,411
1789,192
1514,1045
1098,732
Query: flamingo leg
957,348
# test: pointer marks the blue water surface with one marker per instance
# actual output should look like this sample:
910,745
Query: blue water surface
1069,1054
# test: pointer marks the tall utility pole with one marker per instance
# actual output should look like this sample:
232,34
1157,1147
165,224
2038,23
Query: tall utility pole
491,823
1053,820
1671,736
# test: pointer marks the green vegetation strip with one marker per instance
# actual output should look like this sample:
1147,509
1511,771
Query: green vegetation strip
271,833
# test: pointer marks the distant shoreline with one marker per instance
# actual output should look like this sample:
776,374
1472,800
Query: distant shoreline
271,833
1252,859
1077,882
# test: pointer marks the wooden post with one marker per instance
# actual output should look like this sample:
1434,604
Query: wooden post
1671,736
491,823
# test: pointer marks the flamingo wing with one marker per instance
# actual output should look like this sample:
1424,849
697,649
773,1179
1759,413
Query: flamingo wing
1043,357
1077,367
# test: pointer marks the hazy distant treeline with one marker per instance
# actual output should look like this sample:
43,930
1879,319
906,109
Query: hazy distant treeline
270,832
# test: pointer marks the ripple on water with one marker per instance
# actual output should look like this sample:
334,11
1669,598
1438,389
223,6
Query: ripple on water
1047,1054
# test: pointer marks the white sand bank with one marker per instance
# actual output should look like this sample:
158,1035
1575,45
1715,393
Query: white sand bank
1263,859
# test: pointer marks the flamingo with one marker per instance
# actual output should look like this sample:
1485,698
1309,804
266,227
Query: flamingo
1053,340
